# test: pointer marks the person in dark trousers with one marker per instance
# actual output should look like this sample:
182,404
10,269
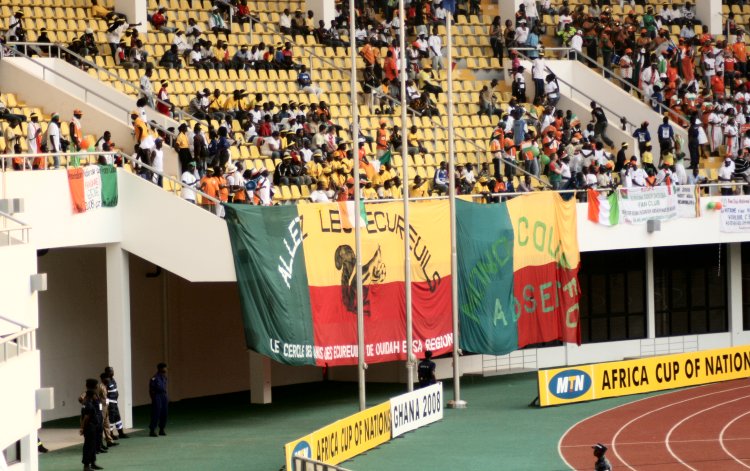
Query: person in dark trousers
600,123
602,463
426,370
114,410
157,389
89,425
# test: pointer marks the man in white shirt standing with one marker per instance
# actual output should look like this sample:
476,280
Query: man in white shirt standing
53,135
189,182
725,177
576,44
264,188
538,73
157,162
147,88
435,44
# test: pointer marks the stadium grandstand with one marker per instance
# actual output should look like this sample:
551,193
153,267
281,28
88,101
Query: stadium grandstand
271,200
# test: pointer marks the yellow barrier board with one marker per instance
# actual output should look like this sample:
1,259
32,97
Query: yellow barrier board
622,378
345,438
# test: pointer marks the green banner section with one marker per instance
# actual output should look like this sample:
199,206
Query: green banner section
275,303
485,278
108,175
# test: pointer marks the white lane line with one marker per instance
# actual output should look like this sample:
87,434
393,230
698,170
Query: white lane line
722,439
617,434
677,425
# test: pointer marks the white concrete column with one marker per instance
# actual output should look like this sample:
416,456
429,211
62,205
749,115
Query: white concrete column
508,9
118,327
650,295
29,453
709,12
136,11
734,290
323,9
260,378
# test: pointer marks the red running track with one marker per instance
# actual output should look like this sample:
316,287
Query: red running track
705,428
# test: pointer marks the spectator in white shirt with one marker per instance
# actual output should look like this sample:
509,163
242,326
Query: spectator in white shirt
319,195
189,182
285,22
435,44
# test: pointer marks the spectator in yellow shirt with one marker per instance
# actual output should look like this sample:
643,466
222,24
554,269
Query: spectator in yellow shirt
99,11
369,192
419,189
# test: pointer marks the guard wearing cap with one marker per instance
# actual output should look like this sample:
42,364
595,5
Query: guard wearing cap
602,463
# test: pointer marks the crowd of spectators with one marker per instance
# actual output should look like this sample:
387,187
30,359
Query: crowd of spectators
530,142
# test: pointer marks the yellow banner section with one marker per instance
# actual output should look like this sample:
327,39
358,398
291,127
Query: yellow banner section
545,229
329,242
345,438
621,378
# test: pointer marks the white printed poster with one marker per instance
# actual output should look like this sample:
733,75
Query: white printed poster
416,409
92,187
735,214
688,201
641,204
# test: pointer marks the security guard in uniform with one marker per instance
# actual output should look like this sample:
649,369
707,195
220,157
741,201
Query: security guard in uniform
157,389
426,370
89,409
602,463
114,410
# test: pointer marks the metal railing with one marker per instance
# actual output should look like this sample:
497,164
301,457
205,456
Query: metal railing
573,88
15,344
23,340
11,226
76,159
60,49
604,69
216,203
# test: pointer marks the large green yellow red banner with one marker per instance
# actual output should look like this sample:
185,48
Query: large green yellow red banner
518,266
296,272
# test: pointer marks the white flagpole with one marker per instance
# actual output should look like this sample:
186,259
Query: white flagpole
405,187
361,365
456,402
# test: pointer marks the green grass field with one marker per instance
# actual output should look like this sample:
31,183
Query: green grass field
498,431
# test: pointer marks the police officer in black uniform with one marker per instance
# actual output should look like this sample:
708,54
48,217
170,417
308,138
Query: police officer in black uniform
90,424
157,389
602,463
426,370
112,396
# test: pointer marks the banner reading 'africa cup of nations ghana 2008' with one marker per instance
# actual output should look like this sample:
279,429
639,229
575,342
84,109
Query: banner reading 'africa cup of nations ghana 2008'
518,273
296,274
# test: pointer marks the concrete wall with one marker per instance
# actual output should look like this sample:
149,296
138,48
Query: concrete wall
149,221
18,301
575,101
173,233
194,327
20,418
609,95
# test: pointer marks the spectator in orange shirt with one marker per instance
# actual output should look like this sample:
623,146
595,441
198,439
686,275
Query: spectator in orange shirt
209,185
369,54
717,85
390,67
